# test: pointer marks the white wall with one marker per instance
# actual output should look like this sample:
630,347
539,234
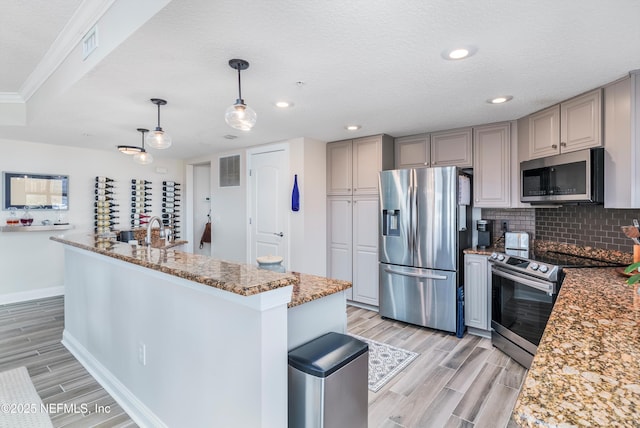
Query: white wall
31,264
308,245
307,158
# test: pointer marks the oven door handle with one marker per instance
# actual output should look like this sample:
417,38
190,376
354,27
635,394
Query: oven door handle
415,275
547,287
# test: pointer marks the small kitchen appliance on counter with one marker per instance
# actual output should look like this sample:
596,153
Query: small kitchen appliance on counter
484,228
516,244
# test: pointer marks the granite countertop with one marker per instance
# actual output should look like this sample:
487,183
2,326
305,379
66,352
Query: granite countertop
483,251
587,368
312,287
238,278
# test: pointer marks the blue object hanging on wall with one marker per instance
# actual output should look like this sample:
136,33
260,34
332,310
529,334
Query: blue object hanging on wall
295,195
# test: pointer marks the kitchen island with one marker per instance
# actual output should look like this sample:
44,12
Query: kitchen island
587,368
187,340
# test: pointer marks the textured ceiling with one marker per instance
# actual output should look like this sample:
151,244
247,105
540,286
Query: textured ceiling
27,30
374,63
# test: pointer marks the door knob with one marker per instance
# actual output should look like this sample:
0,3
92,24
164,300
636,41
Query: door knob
279,234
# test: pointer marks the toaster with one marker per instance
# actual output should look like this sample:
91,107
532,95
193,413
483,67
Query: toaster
516,240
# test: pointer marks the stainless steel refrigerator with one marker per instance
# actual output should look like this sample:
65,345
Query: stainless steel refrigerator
425,223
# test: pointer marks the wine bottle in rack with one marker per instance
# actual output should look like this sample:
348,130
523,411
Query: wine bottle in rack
105,217
104,186
170,200
104,204
102,179
103,192
137,181
170,183
139,215
171,210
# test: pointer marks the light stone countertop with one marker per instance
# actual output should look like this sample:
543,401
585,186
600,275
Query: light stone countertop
587,368
242,279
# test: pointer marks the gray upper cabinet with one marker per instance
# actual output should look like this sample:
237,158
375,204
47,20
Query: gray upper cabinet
622,143
353,165
413,151
442,148
575,124
492,166
339,168
452,148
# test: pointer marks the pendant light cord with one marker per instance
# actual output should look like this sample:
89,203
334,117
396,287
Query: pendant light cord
239,85
158,118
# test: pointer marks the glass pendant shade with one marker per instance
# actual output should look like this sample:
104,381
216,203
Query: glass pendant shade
129,150
158,139
240,116
143,158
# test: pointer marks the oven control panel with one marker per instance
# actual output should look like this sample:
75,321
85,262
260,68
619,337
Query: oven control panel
530,267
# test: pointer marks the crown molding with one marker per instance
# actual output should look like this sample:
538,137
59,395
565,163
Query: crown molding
11,98
85,17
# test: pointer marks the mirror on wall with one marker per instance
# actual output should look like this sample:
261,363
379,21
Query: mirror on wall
36,191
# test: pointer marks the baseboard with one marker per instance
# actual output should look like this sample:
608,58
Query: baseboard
138,411
362,305
24,296
479,332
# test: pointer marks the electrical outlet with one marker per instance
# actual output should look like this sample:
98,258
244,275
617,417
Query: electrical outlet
505,226
142,354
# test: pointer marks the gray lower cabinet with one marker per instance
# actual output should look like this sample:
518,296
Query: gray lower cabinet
477,294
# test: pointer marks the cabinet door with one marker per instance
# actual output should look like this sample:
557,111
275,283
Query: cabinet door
492,166
339,239
412,151
580,120
365,250
476,292
544,133
452,148
339,168
367,162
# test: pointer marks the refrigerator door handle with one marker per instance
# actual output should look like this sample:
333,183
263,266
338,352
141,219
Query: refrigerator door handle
416,275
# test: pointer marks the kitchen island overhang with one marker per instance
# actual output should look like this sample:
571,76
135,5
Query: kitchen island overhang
185,340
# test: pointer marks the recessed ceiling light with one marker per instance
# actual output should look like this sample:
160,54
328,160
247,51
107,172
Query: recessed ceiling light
459,53
230,137
284,104
352,127
501,99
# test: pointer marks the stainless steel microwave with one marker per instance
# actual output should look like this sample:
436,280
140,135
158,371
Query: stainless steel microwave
568,178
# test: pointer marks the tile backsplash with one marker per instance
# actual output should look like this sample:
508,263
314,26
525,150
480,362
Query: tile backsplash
586,225
582,225
519,220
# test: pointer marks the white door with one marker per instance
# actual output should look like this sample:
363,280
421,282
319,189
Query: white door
269,200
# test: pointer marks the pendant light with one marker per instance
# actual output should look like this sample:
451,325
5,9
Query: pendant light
129,150
158,139
143,157
240,116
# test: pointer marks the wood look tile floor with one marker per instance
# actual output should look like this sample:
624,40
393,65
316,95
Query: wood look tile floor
453,382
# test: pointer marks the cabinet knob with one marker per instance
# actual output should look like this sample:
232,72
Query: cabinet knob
435,163
563,144
426,163
355,190
554,146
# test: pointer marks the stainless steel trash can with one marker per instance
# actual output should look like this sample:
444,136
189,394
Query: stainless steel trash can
328,383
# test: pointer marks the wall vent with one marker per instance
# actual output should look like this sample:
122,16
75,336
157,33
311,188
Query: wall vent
89,42
229,167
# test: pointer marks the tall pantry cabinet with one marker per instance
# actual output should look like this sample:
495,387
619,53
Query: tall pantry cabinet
352,212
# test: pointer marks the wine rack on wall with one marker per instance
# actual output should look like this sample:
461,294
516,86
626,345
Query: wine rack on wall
104,207
140,202
171,207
